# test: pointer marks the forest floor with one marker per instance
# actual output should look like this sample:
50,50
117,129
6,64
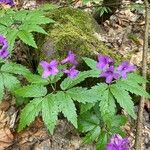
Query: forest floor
122,32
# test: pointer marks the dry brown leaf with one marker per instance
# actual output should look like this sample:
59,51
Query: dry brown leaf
6,138
3,119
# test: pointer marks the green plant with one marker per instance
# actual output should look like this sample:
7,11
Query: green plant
20,24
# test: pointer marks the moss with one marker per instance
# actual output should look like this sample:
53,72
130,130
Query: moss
74,29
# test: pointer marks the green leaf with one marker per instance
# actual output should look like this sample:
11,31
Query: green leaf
27,38
10,81
32,90
118,121
1,87
11,37
15,69
67,107
134,77
88,121
124,99
131,86
102,141
30,111
36,79
82,95
86,107
69,83
33,28
117,130
90,62
92,135
50,112
107,104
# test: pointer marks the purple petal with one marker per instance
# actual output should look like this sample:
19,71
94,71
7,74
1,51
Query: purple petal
49,68
4,54
70,59
118,143
3,47
44,64
110,147
109,79
103,62
7,2
72,72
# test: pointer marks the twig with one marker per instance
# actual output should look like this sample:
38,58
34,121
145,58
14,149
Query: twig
138,138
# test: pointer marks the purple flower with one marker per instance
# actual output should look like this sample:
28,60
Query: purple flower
3,48
110,74
70,58
49,68
7,2
72,72
124,68
118,143
103,62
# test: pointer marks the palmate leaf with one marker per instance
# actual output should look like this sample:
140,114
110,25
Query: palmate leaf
50,112
33,28
67,107
82,95
102,141
27,38
15,69
11,36
1,87
85,107
10,82
107,106
88,121
90,62
32,90
131,86
36,79
124,99
30,111
92,135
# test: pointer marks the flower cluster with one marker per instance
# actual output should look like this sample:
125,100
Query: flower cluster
52,67
118,143
3,48
7,2
105,64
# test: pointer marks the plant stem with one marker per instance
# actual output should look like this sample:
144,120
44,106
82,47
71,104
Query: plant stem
138,138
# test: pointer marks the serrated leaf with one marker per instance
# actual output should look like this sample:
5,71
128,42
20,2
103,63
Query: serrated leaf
86,107
92,135
67,107
50,112
11,37
10,81
117,130
15,69
107,104
30,111
90,62
1,87
118,121
27,38
124,99
69,83
33,28
82,95
102,141
36,79
32,90
87,121
134,77
131,86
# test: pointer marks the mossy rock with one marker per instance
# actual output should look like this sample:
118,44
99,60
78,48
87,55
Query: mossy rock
73,30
